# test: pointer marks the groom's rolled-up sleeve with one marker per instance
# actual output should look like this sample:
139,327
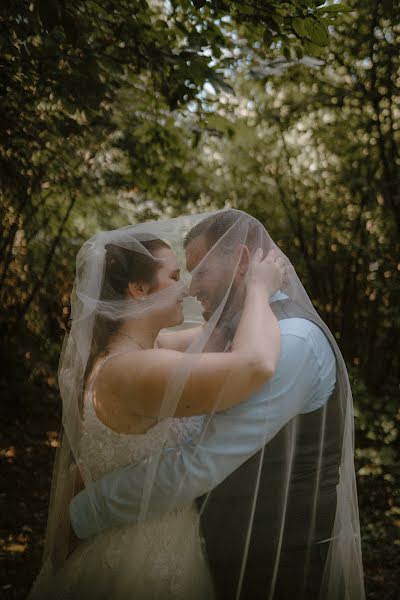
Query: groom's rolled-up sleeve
304,379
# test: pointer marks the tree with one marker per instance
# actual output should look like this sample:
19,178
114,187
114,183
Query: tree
311,149
65,68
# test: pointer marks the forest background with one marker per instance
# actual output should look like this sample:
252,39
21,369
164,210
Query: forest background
119,111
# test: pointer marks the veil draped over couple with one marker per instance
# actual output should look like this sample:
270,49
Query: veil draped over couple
208,439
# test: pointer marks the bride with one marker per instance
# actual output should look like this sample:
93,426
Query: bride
129,389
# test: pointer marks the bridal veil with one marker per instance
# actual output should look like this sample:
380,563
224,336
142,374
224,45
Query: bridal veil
295,498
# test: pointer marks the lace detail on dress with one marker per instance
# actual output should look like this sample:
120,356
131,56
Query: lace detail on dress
188,429
161,558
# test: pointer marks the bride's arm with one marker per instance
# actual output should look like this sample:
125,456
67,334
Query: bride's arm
178,340
300,384
209,381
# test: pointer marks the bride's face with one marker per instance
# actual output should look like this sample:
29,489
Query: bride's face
168,278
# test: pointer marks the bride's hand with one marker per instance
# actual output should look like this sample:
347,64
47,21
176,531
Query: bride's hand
269,272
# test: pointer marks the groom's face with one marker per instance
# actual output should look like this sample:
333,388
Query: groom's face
210,276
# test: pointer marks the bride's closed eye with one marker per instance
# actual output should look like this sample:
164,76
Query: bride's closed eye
175,275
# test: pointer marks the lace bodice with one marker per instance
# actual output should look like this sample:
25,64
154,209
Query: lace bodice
104,450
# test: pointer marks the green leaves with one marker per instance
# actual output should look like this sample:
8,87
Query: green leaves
334,9
70,25
268,37
299,27
199,3
312,29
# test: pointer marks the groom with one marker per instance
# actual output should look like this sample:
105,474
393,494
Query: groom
243,445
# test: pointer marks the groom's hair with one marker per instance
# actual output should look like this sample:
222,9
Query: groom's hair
213,228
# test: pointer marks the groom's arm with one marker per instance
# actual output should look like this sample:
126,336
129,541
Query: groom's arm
303,381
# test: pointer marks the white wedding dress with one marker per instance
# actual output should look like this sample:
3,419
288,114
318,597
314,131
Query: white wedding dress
154,560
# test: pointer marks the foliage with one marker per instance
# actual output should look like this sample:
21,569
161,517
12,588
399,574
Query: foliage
377,463
312,150
65,67
125,110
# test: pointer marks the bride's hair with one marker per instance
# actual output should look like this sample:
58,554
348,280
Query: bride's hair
123,265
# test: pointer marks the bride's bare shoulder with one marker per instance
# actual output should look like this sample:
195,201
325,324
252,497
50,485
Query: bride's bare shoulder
128,368
134,383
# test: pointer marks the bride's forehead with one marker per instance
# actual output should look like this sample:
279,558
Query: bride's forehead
168,258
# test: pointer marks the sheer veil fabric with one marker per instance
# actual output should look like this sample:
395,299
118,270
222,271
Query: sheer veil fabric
290,508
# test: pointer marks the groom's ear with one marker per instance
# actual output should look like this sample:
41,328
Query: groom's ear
243,258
